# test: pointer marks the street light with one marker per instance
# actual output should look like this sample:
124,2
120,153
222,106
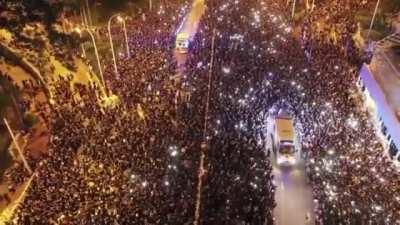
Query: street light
95,51
121,20
83,47
312,5
205,142
20,153
373,18
293,8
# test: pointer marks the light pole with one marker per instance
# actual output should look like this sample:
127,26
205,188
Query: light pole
27,167
96,53
312,5
111,43
150,4
83,47
293,8
126,36
121,20
205,142
373,18
90,22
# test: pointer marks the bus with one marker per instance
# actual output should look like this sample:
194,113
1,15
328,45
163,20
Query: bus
182,42
284,139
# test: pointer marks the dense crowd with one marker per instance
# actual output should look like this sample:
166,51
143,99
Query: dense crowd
353,179
141,161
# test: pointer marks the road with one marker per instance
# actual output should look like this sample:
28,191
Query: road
190,26
293,194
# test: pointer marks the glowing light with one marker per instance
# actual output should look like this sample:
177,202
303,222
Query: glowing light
352,122
174,153
226,70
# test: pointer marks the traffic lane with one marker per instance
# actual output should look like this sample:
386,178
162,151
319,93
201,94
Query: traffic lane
193,19
190,27
293,196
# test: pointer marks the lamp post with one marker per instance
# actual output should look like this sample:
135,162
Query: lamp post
373,18
27,167
293,8
312,5
205,142
90,22
111,43
96,53
126,36
83,47
121,20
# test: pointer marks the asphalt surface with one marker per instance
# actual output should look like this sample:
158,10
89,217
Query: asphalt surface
293,195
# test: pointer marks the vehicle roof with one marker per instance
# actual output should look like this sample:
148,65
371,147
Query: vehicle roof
285,129
283,114
182,35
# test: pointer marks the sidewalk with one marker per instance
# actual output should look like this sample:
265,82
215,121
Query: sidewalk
34,146
17,197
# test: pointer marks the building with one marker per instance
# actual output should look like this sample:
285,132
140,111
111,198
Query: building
380,82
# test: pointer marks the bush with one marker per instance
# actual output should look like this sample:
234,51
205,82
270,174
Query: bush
30,119
4,103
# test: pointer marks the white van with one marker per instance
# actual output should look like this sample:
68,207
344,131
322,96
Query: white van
284,133
182,42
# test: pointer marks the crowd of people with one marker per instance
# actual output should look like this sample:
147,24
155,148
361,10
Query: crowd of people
188,146
132,163
354,180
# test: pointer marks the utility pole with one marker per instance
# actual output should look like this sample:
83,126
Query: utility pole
27,167
293,8
373,18
204,144
97,56
312,5
112,44
89,15
128,53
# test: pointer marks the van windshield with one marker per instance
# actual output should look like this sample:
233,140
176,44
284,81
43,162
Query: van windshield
286,149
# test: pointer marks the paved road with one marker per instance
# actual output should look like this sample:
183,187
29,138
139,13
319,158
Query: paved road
190,26
293,196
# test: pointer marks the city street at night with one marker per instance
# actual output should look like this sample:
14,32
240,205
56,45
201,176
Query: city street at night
199,112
